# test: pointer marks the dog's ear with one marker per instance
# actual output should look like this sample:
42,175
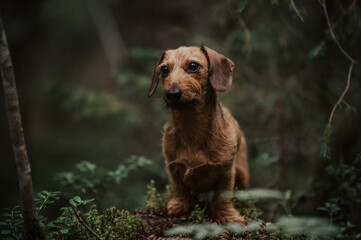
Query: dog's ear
220,69
155,76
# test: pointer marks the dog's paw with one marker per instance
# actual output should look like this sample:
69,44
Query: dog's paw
177,205
229,215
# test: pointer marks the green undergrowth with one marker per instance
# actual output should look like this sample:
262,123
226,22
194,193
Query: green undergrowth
81,218
112,223
75,220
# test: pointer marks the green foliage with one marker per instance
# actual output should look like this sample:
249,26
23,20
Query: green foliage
346,197
153,200
11,223
197,215
331,209
110,224
12,220
87,103
45,198
87,178
248,208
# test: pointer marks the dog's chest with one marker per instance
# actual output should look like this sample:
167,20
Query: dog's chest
196,169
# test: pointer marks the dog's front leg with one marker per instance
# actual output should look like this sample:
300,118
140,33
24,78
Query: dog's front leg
221,205
181,199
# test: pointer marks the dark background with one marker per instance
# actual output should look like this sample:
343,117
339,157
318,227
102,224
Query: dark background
83,70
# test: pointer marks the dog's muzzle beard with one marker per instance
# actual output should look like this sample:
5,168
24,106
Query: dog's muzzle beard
179,105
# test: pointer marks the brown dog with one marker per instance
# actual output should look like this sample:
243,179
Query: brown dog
205,149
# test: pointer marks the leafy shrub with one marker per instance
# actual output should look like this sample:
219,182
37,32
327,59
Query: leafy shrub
110,224
93,181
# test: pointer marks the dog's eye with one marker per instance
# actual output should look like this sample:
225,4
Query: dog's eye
193,67
164,70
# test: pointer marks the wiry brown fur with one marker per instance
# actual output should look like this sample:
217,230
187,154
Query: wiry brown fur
205,149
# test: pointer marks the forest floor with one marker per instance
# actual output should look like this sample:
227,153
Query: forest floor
158,223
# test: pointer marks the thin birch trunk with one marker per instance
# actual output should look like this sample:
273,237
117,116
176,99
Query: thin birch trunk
32,228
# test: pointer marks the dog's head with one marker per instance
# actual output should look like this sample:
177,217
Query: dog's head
188,72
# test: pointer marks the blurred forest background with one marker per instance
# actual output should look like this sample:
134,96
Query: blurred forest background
83,70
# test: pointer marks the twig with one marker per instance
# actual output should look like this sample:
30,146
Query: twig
353,62
352,5
343,93
293,5
84,224
323,4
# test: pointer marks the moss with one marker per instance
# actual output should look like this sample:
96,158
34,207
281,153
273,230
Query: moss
111,224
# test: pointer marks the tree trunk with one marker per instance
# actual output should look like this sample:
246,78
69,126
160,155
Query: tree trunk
32,229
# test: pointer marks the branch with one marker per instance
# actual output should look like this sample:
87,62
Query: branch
84,223
293,5
323,4
343,93
353,62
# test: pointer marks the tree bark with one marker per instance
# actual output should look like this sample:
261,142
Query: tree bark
32,229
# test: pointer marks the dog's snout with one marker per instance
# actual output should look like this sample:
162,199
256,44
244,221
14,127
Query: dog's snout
173,94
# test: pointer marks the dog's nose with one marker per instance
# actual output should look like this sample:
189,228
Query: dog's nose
173,94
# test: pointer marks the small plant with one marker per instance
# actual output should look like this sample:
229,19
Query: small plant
248,208
12,220
153,200
12,223
197,215
331,208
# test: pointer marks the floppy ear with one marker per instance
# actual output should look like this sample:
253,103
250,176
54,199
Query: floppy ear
155,76
220,69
